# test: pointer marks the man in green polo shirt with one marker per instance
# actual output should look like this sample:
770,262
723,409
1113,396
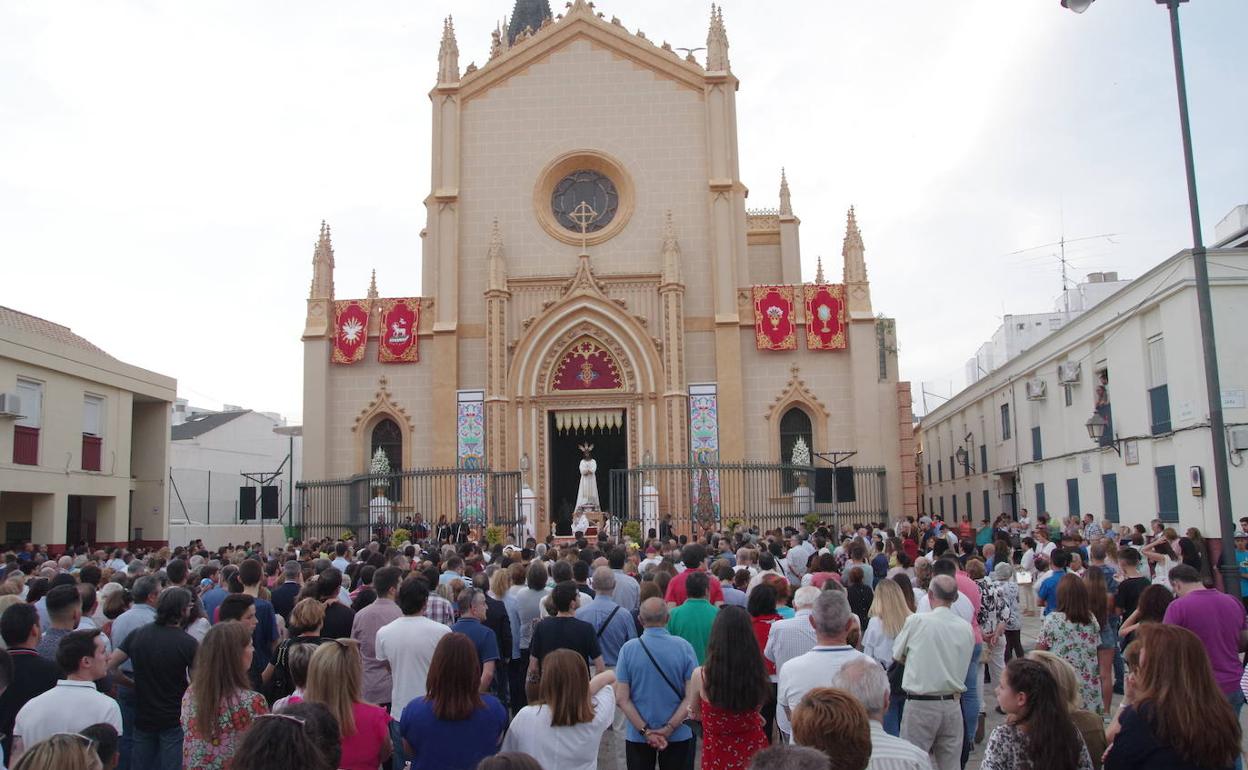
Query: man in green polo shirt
693,619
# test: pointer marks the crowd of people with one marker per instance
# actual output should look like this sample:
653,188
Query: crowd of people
868,646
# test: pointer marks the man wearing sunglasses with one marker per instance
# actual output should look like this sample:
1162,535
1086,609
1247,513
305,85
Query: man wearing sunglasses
74,703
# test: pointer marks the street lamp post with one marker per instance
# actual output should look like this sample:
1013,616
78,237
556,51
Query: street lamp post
1213,386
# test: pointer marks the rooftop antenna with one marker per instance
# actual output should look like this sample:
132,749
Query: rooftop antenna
1062,261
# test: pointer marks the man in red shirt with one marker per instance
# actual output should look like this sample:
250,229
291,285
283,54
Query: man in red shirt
692,555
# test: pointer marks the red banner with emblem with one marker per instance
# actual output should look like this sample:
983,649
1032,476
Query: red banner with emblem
774,327
396,336
825,316
350,330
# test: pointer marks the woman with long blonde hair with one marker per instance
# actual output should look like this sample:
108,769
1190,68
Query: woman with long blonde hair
887,615
63,751
219,705
336,681
563,727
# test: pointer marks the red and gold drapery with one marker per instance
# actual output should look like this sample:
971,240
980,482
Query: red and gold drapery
825,316
350,330
774,327
396,335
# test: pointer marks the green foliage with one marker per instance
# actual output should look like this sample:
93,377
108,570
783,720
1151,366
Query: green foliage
494,534
400,536
347,534
812,521
732,525
632,530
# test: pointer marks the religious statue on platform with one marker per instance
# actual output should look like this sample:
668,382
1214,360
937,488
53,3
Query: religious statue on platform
587,493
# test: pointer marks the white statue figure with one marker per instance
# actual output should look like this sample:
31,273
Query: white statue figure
587,493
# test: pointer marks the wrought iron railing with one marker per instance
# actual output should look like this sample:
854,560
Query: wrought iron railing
477,496
700,496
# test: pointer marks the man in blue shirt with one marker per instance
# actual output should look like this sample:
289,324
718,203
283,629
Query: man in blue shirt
1047,592
472,608
652,685
612,623
213,597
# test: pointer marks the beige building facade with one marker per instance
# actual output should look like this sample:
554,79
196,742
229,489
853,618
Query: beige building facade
653,288
84,440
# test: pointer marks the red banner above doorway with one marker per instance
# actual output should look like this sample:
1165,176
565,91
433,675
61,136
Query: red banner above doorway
350,330
774,327
400,318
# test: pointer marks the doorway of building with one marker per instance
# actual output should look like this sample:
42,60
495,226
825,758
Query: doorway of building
610,450
80,521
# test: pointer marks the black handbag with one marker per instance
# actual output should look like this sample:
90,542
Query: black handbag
896,671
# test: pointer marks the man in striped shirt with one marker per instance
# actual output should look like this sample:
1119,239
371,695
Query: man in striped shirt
865,680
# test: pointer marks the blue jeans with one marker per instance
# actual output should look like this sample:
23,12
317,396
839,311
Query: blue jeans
400,756
1236,699
125,745
892,717
970,705
160,750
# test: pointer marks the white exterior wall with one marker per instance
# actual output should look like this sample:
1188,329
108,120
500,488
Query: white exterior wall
246,444
1114,335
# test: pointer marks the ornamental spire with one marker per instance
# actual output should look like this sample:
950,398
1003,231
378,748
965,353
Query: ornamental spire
786,204
372,286
717,43
853,251
323,266
819,270
527,14
671,252
497,276
448,54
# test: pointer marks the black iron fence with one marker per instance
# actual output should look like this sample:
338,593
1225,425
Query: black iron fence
481,497
765,495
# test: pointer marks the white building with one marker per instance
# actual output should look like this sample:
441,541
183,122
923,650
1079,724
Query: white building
1018,332
1135,358
209,454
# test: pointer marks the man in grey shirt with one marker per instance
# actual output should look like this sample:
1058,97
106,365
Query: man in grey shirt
146,592
627,591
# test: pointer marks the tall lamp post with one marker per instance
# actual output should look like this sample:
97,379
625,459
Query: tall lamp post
1213,387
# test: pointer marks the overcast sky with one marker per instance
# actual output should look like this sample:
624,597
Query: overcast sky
164,166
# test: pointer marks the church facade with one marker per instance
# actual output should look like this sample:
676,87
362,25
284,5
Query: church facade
590,273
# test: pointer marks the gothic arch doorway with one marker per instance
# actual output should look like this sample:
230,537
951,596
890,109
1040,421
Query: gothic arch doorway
387,437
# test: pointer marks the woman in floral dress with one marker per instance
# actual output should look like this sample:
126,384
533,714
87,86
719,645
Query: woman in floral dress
731,688
219,706
1072,633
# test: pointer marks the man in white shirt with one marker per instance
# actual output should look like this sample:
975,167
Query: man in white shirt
936,647
833,621
799,553
866,681
406,645
794,636
73,704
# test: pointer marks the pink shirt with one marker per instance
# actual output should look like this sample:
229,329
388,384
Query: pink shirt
362,749
967,588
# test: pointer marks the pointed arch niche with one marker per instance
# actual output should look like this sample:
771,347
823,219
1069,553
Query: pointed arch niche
584,314
782,420
380,409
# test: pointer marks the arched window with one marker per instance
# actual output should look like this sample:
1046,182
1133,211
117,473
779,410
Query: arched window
794,423
388,438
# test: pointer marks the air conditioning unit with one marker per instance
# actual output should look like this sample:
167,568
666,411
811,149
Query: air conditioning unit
1068,373
1239,439
10,405
1035,390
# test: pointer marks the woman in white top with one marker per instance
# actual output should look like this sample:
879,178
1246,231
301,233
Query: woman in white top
1161,555
888,614
562,729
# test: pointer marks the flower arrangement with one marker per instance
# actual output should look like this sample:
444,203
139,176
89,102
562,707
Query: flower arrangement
733,525
347,534
494,534
812,521
380,464
801,452
399,537
632,530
